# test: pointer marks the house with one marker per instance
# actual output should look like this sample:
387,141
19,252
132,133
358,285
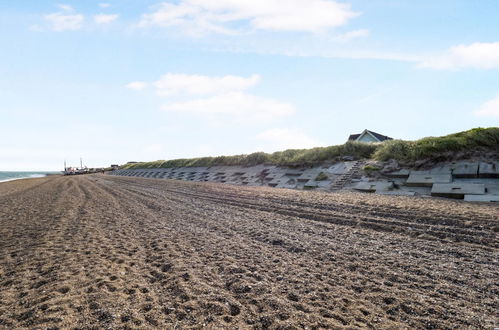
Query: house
368,136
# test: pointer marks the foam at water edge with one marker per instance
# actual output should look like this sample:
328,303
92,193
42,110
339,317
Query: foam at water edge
31,176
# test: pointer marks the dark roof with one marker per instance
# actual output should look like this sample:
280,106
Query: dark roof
378,136
353,137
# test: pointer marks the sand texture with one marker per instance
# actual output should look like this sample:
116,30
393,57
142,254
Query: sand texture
96,252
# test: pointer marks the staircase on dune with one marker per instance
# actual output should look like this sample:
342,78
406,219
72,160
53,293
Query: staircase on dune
353,173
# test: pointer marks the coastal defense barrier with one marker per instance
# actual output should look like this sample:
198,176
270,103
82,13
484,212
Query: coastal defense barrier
260,175
472,181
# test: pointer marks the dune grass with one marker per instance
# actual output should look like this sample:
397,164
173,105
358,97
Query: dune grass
286,157
477,139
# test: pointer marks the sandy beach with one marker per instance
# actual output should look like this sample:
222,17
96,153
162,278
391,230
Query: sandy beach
96,251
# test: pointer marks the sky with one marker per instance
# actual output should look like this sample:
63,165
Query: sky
129,80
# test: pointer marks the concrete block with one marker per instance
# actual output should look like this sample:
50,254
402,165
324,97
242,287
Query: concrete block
323,184
279,180
384,186
465,170
293,173
403,173
309,174
397,193
376,186
311,184
340,168
481,198
443,169
492,188
488,170
365,186
457,190
427,180
286,185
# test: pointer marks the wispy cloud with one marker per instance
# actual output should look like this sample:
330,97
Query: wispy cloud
65,7
105,18
351,54
362,33
104,5
314,46
136,85
224,97
220,16
489,108
62,22
218,97
236,105
478,55
171,83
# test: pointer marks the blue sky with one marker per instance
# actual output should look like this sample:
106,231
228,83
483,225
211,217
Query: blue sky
114,81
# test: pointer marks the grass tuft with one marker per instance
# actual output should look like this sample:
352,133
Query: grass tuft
370,168
321,177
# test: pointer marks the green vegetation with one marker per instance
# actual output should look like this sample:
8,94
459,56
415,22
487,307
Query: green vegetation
321,177
286,157
477,139
370,168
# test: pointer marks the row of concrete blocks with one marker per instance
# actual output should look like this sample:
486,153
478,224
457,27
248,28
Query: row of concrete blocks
473,192
260,175
439,182
281,177
457,170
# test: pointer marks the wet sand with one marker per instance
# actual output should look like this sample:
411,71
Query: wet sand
96,251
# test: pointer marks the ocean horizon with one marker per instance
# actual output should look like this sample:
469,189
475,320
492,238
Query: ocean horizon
17,175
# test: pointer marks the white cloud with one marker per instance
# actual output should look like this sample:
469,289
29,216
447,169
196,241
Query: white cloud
65,7
225,97
319,50
104,5
286,138
276,15
489,109
61,22
362,33
104,18
170,84
136,85
478,55
238,105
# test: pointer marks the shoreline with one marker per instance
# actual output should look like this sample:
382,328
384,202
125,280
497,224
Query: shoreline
23,178
32,176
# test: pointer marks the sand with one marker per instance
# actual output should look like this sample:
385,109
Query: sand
96,251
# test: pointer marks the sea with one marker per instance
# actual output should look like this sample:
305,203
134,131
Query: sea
9,176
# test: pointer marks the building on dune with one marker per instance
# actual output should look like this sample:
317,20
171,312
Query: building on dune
368,136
